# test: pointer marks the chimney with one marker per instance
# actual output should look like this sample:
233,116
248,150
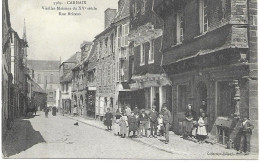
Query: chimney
109,16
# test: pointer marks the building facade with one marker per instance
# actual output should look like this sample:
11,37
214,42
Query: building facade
150,84
15,88
39,96
79,80
19,87
105,67
66,75
122,57
209,54
46,74
90,72
6,64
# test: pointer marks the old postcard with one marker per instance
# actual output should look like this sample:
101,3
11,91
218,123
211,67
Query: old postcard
130,79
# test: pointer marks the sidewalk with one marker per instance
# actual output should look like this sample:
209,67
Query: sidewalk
177,145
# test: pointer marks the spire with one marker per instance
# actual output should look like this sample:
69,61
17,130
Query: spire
24,32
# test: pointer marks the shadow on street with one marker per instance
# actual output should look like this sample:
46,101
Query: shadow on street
20,138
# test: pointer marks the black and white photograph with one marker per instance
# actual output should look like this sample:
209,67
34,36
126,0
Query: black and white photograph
130,79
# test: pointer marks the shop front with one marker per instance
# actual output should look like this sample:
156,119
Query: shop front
91,97
151,90
224,90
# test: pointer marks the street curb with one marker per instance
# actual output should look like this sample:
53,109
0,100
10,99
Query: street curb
136,140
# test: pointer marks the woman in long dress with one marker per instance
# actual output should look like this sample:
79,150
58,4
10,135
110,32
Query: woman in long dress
123,125
202,127
116,125
132,123
188,122
108,119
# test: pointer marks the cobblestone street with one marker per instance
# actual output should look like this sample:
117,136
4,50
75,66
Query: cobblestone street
57,137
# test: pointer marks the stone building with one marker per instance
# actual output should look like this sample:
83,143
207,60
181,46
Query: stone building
90,80
105,67
46,74
39,96
122,58
209,53
15,96
6,64
19,88
79,90
150,85
66,75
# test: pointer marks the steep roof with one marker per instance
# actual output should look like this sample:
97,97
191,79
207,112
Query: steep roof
37,88
73,58
67,77
44,64
85,43
123,12
92,58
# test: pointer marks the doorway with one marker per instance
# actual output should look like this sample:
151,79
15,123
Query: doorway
226,104
201,95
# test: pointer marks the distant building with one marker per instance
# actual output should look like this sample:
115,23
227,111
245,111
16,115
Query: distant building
46,74
66,76
79,80
39,96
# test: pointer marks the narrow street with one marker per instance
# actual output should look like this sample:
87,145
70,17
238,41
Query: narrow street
57,137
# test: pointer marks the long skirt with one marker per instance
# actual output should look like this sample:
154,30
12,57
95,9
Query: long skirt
188,126
108,122
116,126
123,128
202,131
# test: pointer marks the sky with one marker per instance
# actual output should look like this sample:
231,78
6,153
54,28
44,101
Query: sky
51,36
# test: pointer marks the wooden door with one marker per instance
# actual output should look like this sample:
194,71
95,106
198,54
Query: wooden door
226,105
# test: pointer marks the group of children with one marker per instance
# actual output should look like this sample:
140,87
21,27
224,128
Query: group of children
193,128
135,122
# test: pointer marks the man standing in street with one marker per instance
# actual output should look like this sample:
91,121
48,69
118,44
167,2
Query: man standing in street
143,123
153,122
167,121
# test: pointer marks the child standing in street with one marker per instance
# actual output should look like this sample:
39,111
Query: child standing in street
123,125
246,132
202,130
108,119
117,127
160,125
137,124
